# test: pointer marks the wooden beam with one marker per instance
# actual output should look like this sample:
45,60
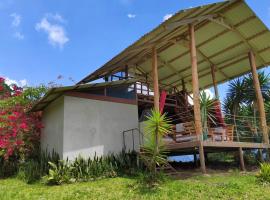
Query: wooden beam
213,72
241,159
259,97
155,78
202,159
195,82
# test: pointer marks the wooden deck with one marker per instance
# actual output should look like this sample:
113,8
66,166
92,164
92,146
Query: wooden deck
210,146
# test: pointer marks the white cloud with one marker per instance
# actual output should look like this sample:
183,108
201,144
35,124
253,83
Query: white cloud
20,83
56,17
56,32
131,16
208,92
16,19
167,16
18,35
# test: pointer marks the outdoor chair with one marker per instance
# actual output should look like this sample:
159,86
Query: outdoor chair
221,133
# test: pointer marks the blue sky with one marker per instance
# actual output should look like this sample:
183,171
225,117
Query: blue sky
41,40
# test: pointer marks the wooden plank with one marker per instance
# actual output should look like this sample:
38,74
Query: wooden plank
259,97
227,144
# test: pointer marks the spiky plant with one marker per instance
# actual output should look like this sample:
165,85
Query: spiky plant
207,109
153,151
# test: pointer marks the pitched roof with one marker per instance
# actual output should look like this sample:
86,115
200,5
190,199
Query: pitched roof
225,33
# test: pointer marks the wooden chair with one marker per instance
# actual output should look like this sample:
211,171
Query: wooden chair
226,133
186,135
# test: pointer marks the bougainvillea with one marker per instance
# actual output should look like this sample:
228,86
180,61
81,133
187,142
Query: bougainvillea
19,129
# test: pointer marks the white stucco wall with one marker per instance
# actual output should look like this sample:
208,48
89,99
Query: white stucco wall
53,121
94,126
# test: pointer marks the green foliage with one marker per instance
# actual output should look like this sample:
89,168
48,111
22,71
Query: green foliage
8,168
58,174
82,169
207,109
30,171
29,96
153,152
33,169
264,174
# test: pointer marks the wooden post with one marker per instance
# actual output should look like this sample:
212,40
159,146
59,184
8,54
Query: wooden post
213,72
155,78
195,82
126,72
241,159
202,159
259,97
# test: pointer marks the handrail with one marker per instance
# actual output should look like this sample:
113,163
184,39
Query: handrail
132,132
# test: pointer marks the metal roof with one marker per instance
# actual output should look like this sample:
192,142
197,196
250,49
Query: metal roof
55,93
225,33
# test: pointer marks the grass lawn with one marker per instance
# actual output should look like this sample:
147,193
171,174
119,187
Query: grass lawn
219,186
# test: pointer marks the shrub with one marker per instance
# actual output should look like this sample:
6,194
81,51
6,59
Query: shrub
264,174
38,166
30,171
82,169
8,168
59,174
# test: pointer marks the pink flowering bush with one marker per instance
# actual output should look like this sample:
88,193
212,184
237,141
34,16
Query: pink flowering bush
19,129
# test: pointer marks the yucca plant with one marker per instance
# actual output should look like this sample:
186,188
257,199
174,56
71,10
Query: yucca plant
153,151
207,110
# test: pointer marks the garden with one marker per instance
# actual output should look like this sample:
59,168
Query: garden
27,172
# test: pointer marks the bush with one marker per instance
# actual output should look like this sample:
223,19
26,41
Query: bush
8,168
264,174
30,171
59,174
38,166
82,169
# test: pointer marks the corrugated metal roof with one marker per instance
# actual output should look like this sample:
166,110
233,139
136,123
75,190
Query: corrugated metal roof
223,42
55,93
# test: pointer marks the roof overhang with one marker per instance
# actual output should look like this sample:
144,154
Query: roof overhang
225,33
55,93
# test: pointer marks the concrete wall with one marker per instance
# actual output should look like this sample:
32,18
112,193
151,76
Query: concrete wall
94,126
53,121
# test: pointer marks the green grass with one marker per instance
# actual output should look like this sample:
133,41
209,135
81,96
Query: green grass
228,186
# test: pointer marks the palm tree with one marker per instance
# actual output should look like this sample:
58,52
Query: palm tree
241,98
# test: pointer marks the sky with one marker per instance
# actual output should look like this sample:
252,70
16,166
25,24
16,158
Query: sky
42,40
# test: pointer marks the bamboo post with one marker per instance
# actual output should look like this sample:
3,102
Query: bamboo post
155,78
259,97
241,159
213,72
195,82
196,94
202,159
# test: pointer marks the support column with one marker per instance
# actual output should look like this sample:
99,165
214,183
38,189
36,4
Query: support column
259,97
213,72
241,159
195,82
155,78
202,159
